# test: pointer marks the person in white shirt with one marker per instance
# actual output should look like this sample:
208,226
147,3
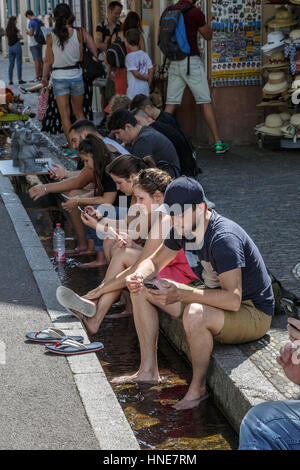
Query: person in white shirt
139,67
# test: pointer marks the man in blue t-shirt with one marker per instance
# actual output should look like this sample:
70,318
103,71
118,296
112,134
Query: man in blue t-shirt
232,302
35,48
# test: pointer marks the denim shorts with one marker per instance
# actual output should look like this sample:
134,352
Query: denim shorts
68,86
36,52
178,79
112,212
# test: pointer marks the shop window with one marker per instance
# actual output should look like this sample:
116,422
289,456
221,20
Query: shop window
9,8
44,7
37,7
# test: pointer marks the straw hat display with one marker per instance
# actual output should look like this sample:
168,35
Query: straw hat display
276,84
293,128
282,19
277,61
294,36
275,41
272,126
295,2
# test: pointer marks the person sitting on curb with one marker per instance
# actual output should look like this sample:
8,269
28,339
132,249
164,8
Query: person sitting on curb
141,240
276,425
144,102
75,183
142,141
235,304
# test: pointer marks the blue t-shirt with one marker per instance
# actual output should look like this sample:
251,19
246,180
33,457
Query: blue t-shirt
34,24
227,246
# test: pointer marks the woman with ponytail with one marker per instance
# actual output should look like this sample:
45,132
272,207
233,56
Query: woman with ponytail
63,56
148,188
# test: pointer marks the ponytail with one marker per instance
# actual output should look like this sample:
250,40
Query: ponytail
63,17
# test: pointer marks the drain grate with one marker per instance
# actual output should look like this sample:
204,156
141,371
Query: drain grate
296,271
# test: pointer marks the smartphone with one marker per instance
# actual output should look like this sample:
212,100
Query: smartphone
291,310
116,235
149,285
67,197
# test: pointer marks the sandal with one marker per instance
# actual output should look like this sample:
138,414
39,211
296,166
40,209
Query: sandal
71,301
69,347
50,335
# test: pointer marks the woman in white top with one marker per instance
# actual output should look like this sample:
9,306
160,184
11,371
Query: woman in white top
63,53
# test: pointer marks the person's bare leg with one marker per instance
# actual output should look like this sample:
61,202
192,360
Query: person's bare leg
146,324
82,244
201,323
37,68
40,67
64,111
99,261
170,108
77,106
108,246
210,118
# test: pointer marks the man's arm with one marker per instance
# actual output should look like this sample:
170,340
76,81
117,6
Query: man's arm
229,297
101,39
206,32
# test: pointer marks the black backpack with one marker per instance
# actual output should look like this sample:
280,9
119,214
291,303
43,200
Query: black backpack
39,36
116,53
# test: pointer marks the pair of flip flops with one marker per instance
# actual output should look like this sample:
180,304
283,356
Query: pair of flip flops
63,345
74,303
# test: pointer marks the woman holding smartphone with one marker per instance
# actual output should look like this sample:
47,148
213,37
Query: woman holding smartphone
148,188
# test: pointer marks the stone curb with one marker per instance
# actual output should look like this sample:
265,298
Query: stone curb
103,410
236,383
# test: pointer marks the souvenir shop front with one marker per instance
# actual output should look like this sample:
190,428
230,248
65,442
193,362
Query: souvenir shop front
233,65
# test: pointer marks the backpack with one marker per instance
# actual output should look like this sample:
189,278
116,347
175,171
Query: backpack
172,39
39,35
116,53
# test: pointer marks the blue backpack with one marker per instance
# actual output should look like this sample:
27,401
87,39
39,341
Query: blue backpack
173,40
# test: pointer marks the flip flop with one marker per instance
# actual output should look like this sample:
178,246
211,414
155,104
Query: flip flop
69,347
50,335
71,301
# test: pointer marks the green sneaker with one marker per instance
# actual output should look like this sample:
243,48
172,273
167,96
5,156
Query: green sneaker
70,153
221,147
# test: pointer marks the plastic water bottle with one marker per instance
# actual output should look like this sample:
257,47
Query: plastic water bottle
59,244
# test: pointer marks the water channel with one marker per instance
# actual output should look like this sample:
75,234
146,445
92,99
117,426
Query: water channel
148,408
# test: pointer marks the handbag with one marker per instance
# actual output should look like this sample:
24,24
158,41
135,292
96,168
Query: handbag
42,103
90,68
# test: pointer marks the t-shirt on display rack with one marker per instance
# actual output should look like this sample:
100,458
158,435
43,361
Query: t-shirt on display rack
236,43
281,70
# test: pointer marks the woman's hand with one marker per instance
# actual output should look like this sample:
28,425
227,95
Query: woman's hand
92,212
45,82
71,204
134,282
37,191
89,221
58,173
93,294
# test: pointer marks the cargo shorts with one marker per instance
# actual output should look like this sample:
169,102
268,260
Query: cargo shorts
178,79
247,324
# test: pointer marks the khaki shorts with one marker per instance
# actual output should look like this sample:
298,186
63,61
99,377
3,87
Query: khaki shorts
196,81
248,324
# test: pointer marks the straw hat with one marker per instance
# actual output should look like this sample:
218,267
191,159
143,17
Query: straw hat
276,83
296,2
275,41
293,128
294,36
282,19
285,117
272,125
276,61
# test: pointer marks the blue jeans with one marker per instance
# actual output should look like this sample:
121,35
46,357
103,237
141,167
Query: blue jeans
15,54
271,426
110,212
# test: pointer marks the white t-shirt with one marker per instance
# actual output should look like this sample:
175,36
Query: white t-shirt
141,62
68,56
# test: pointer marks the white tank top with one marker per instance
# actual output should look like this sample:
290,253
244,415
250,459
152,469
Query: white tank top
66,57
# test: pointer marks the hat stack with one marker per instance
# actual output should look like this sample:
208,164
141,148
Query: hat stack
282,61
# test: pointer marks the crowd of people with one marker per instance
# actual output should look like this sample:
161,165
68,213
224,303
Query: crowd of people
136,203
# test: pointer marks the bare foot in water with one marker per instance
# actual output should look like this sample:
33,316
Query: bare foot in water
136,378
123,314
187,403
92,264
